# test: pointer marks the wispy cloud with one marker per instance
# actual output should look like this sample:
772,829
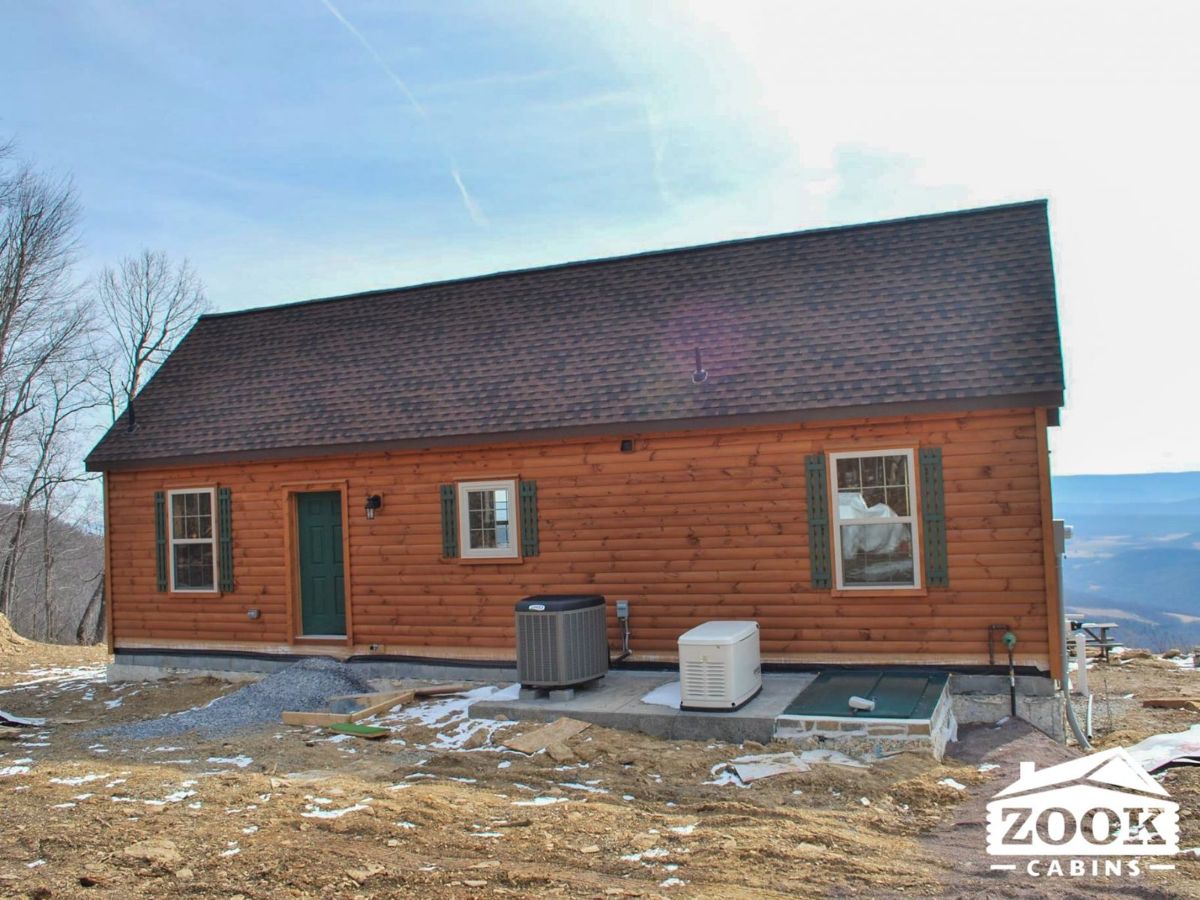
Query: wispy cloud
472,206
657,147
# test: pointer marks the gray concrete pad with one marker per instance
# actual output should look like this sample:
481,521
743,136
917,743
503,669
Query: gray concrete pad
616,702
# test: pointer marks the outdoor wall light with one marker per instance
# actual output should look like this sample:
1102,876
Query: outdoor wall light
374,501
252,614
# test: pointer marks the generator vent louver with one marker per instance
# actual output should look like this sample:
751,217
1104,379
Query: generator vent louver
703,680
561,640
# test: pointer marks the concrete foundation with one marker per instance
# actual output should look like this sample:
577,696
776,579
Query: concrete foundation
616,702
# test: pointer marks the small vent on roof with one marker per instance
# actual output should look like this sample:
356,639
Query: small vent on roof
701,374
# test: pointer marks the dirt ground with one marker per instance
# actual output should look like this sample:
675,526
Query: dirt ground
441,809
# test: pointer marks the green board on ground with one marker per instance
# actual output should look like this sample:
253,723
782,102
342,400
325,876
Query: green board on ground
370,732
898,694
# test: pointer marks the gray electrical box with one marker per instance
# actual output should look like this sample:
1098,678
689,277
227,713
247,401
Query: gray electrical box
562,640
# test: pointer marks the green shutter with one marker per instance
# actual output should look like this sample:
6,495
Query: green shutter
225,538
933,519
160,538
449,522
529,518
820,561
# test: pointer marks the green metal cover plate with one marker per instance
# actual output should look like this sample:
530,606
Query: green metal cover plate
898,694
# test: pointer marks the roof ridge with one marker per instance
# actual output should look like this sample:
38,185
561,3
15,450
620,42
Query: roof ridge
665,251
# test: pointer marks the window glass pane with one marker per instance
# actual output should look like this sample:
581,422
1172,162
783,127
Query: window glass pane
848,475
204,525
873,497
177,515
895,470
877,555
897,500
872,470
193,567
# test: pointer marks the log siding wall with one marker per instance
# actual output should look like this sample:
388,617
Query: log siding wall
690,526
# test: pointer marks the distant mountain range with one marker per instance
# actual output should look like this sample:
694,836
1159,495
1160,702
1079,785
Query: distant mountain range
1135,556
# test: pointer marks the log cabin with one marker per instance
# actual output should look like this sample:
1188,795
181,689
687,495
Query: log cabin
840,433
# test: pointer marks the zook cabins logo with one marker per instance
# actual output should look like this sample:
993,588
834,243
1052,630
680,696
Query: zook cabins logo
1100,815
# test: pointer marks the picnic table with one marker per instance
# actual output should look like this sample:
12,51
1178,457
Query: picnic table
1097,635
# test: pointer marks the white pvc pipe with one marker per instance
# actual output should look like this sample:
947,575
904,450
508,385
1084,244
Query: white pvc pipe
1081,673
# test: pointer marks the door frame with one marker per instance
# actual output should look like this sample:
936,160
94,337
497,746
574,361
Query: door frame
291,560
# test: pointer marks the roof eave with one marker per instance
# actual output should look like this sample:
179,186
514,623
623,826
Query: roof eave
1052,400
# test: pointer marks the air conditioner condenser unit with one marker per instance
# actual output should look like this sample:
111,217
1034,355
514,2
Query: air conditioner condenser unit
719,666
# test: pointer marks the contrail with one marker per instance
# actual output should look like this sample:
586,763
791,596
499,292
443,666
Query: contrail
473,207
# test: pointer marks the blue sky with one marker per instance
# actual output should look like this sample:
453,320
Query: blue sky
314,147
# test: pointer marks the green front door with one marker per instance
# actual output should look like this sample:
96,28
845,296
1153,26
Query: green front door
322,577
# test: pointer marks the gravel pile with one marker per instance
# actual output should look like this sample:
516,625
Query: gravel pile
307,685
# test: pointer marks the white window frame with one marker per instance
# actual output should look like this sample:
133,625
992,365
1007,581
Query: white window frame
911,520
466,551
172,541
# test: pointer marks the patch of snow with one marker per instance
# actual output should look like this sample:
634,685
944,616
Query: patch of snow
987,767
113,704
672,882
576,786
76,780
950,782
35,864
652,853
63,806
318,813
240,761
540,801
684,829
727,776
9,771
664,695
406,825
504,764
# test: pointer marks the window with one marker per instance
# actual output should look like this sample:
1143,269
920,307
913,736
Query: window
487,523
193,540
875,520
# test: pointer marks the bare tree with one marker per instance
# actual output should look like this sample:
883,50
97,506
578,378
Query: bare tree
48,382
66,395
148,304
40,319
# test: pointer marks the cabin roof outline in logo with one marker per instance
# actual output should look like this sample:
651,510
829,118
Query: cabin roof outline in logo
1113,768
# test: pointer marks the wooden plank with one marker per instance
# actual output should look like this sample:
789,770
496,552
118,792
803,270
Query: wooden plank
541,738
382,705
1172,703
322,719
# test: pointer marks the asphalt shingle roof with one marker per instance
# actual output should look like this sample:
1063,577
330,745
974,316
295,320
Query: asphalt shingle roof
951,307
